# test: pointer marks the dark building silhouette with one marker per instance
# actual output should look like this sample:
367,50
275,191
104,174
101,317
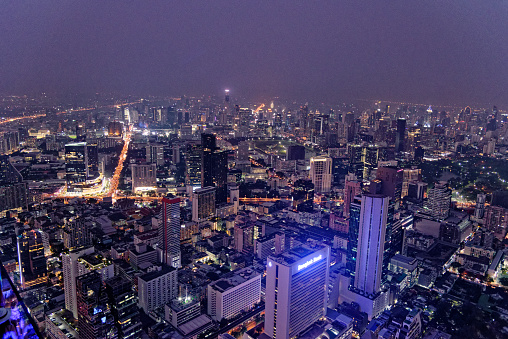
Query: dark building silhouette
95,320
214,167
296,152
123,302
399,137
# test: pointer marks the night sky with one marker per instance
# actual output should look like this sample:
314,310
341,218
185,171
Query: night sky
419,51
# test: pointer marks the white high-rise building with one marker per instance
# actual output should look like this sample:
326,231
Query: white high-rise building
169,232
228,297
158,287
321,173
371,243
296,290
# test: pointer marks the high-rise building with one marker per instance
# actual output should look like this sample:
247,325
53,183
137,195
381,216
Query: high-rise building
155,154
438,201
296,290
157,287
371,243
95,320
77,232
321,173
203,204
400,134
193,165
479,211
229,296
143,176
32,262
391,183
76,166
353,230
123,302
352,187
169,232
79,262
214,167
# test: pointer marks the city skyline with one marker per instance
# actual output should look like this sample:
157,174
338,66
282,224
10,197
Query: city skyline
427,52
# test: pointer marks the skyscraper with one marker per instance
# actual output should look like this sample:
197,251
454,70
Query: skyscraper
214,167
203,204
33,265
321,173
296,290
143,176
399,136
169,232
95,320
76,166
371,243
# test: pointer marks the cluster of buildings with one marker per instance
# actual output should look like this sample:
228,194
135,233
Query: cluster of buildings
263,222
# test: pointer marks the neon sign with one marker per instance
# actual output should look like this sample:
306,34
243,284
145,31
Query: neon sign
310,262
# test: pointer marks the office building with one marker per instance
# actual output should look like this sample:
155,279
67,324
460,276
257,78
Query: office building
155,154
79,262
33,265
400,134
228,297
214,167
144,177
438,201
169,232
352,187
296,290
157,287
76,166
371,243
353,230
77,232
203,204
123,303
95,320
193,165
321,173
13,196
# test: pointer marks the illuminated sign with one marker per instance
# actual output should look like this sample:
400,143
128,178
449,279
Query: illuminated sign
310,262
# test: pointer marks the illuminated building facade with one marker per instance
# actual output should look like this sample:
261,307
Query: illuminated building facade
169,232
296,290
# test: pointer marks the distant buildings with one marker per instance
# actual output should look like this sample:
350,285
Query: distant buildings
144,176
203,203
438,201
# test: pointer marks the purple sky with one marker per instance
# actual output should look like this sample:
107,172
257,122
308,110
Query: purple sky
422,51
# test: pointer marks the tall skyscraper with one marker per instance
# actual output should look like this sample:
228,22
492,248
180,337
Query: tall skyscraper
399,136
203,204
95,320
321,173
355,208
193,165
438,201
296,290
214,167
169,232
371,243
33,265
77,232
76,166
